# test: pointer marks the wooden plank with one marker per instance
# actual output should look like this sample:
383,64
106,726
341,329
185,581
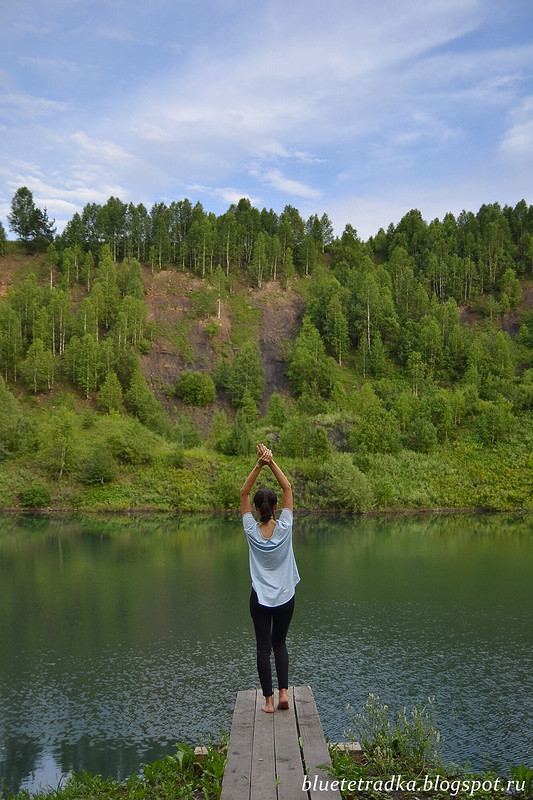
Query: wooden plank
289,767
263,782
237,775
314,747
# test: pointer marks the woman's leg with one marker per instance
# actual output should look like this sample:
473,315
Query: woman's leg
281,619
262,619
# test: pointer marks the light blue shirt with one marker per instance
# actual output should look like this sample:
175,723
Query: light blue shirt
272,564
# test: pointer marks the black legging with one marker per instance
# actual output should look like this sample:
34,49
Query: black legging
271,625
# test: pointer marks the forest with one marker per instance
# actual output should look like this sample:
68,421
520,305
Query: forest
394,374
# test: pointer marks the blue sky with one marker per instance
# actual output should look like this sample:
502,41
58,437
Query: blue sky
362,109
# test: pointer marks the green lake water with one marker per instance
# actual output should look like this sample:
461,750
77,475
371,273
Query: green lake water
120,636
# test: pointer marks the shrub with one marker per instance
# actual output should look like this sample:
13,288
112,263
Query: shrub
238,442
195,388
495,421
130,443
420,435
346,486
99,467
412,742
175,457
36,495
337,483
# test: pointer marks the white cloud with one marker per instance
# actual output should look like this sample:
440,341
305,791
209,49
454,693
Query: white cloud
517,141
100,149
30,106
278,181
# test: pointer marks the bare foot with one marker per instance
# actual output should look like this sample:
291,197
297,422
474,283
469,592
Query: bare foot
283,702
268,708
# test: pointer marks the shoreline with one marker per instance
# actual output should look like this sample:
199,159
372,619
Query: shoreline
302,512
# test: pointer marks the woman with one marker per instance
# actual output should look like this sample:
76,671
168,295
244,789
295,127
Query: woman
274,575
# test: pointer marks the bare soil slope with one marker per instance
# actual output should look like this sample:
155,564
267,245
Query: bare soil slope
183,341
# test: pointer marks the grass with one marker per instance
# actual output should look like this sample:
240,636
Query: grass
181,776
401,759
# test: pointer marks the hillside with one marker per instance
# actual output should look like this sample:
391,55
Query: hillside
390,375
168,297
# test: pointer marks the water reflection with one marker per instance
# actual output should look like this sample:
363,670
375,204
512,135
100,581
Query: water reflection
124,636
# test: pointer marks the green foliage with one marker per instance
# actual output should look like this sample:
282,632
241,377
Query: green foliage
300,439
495,421
309,364
10,418
141,402
35,495
185,432
375,430
175,457
238,441
58,444
129,442
386,315
276,413
182,775
99,467
412,741
110,395
195,388
29,222
420,434
404,756
245,375
335,483
523,781
220,426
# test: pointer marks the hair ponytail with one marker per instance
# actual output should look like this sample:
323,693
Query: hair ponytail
265,500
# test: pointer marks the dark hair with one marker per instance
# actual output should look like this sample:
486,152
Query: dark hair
265,500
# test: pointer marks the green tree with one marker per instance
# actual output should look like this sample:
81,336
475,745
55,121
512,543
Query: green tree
220,427
87,363
110,395
37,369
376,430
276,413
246,374
308,363
30,223
107,280
296,437
195,388
58,443
10,341
3,239
141,402
344,486
438,408
238,441
99,467
336,328
259,261
10,419
495,421
420,434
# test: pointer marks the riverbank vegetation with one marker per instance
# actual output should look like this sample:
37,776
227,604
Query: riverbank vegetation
400,759
142,353
183,775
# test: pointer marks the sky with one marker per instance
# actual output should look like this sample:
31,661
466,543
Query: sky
360,109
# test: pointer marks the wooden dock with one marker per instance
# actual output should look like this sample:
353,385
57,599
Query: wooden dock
277,756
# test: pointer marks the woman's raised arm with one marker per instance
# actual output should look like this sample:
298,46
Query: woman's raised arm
285,486
265,455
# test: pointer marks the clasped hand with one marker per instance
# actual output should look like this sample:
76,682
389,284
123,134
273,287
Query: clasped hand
265,455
